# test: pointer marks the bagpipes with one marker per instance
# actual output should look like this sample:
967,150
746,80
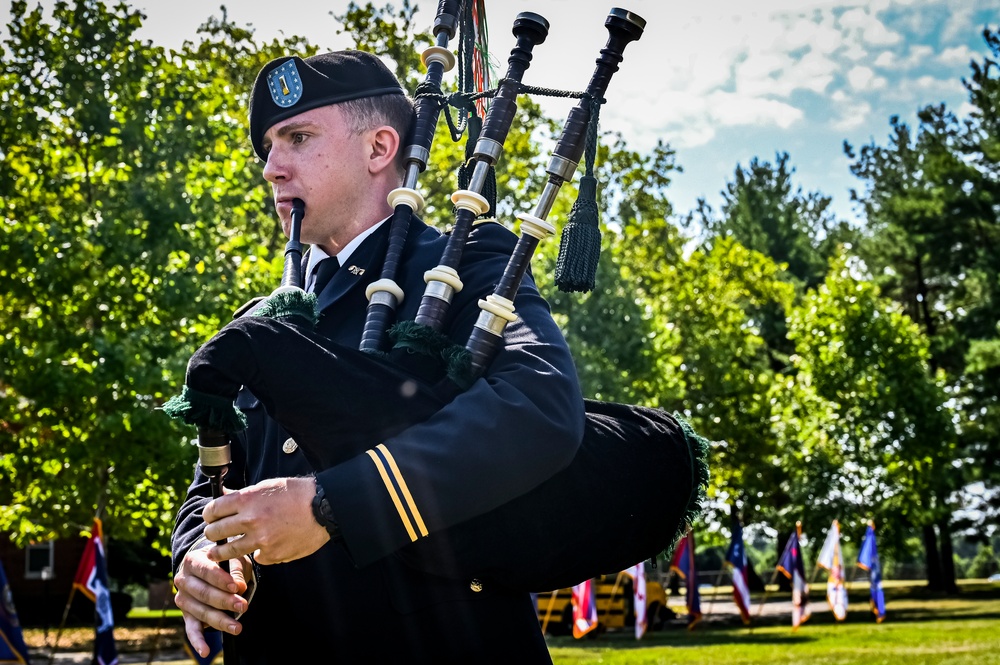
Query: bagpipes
644,469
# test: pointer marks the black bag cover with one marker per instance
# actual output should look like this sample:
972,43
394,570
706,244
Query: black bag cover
624,498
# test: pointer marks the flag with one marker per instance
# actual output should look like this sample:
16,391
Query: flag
736,559
638,575
793,567
92,580
868,559
683,565
12,646
584,609
831,558
214,640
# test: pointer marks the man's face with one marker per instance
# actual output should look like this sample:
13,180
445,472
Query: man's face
315,157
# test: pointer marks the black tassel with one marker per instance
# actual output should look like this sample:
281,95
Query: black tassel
580,247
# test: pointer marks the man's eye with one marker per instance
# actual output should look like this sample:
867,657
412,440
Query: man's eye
298,137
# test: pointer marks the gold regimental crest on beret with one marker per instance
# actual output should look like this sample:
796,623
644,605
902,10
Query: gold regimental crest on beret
285,84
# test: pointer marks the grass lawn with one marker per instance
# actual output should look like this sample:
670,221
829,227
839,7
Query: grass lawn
920,629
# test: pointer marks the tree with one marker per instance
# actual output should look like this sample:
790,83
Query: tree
864,431
932,203
763,213
133,220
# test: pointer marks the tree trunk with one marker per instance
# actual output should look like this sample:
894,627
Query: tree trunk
948,581
935,580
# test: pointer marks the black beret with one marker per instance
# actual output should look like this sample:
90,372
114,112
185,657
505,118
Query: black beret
290,85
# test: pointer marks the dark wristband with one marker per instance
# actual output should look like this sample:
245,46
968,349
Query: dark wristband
323,513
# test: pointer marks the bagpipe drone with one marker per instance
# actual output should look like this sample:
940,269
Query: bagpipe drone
643,468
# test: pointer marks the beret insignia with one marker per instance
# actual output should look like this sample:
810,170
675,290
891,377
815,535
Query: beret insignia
285,84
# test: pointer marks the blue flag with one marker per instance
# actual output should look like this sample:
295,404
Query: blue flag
12,646
214,640
794,568
736,558
92,580
868,559
683,565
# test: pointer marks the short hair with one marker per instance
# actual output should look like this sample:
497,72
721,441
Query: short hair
367,113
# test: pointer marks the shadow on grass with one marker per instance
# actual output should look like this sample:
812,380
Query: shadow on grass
679,638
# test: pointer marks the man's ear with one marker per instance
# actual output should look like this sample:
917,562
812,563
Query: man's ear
385,144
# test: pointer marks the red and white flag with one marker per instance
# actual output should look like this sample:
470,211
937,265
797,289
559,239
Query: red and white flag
638,575
831,559
736,558
584,609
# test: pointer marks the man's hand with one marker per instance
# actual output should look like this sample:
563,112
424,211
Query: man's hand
272,520
205,592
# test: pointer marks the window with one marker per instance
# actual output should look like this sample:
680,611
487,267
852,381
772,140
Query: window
40,559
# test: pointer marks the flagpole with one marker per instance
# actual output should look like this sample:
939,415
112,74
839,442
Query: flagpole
665,583
798,541
767,591
774,578
614,590
159,629
715,588
62,624
548,611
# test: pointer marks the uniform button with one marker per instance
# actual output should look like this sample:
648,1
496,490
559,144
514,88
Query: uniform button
476,585
289,446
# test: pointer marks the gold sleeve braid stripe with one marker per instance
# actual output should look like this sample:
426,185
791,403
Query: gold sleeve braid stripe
392,478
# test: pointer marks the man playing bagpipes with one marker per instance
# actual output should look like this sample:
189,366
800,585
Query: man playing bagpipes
337,148
397,502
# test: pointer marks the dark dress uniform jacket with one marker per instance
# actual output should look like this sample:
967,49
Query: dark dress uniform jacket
357,602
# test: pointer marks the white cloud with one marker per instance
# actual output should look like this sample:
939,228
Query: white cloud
956,55
852,116
918,56
734,110
864,79
885,59
868,28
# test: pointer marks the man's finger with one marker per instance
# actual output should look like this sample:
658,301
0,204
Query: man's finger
239,576
195,635
224,506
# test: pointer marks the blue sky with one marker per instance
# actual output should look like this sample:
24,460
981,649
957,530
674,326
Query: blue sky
721,81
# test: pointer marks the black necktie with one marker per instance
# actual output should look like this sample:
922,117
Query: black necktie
324,271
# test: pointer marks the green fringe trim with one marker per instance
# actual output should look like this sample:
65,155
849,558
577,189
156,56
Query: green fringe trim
699,447
419,339
289,304
458,364
205,411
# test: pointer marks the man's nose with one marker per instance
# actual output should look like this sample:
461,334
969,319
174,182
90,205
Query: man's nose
274,167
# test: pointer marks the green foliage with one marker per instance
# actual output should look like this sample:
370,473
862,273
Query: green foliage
133,216
864,430
762,212
933,206
984,564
